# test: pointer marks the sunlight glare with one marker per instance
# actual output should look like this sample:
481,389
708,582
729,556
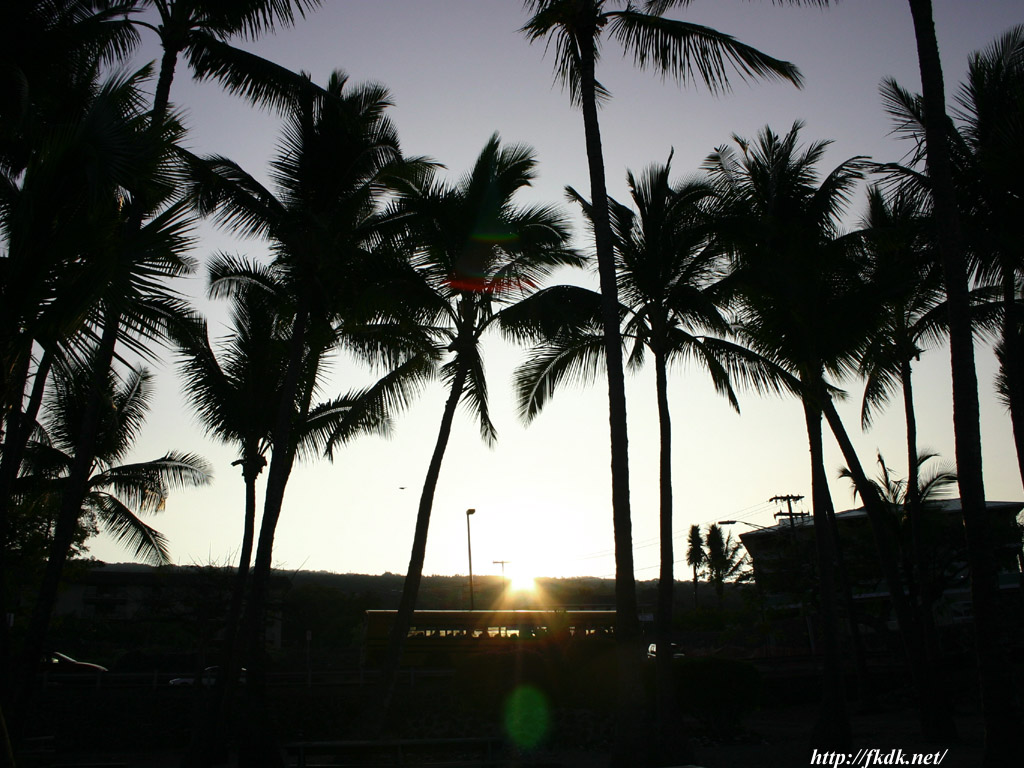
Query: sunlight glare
521,580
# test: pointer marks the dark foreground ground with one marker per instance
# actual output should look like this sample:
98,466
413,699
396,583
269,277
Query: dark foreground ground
775,738
146,723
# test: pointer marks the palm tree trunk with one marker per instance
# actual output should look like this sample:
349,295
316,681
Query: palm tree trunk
19,428
251,469
866,693
208,745
832,728
670,736
627,624
913,506
1002,719
1013,365
67,523
162,95
936,721
258,748
629,743
411,586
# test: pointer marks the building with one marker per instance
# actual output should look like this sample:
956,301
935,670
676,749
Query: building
784,561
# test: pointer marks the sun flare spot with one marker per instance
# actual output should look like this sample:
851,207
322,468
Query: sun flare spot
522,580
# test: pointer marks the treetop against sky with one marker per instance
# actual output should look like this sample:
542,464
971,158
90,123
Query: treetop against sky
458,71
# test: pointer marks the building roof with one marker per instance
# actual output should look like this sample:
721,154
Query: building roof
948,506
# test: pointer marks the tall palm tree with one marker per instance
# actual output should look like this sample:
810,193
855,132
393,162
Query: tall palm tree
669,282
1002,720
201,29
989,155
50,54
806,303
330,269
696,557
802,307
914,313
235,393
116,279
668,46
477,252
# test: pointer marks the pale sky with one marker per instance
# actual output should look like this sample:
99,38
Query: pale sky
458,71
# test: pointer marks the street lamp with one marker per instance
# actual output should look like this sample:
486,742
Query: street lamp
469,546
743,522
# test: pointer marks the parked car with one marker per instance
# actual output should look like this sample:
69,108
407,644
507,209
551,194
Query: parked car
63,664
209,677
677,652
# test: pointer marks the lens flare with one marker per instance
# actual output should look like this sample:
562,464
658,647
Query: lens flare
527,717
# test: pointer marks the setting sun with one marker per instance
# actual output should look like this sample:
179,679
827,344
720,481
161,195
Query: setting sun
521,580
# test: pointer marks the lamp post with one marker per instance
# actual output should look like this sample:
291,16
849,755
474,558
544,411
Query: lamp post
743,522
469,546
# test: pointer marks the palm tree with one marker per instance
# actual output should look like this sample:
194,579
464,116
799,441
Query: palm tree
725,559
331,272
233,394
113,286
50,54
1001,717
685,51
803,307
696,557
201,29
988,152
916,533
669,278
806,303
476,252
914,313
117,492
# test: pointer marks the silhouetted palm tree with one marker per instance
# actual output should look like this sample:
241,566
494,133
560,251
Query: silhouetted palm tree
201,30
685,51
696,557
904,269
1002,720
476,252
330,277
804,307
725,559
234,393
117,492
668,277
917,533
115,282
989,154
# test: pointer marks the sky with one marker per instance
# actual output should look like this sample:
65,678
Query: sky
458,71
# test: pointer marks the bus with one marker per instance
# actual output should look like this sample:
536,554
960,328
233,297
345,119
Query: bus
435,637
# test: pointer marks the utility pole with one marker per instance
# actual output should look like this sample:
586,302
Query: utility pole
789,499
502,563
469,547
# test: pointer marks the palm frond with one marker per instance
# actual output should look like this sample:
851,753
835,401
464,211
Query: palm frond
128,530
565,358
370,409
690,52
259,81
474,394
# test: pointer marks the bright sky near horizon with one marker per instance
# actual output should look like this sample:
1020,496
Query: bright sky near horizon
458,71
